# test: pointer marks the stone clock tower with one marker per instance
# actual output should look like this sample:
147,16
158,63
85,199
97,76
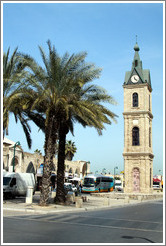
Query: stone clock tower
138,153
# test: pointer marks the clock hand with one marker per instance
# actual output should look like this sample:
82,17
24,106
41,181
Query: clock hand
135,79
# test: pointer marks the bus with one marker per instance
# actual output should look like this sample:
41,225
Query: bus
98,183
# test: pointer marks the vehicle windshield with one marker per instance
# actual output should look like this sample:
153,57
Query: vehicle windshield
6,180
118,184
89,182
68,187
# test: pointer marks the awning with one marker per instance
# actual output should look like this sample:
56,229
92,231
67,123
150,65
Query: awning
75,179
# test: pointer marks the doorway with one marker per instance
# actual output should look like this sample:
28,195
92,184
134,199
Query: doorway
136,180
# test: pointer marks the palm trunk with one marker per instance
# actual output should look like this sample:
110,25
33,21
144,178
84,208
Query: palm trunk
60,192
50,145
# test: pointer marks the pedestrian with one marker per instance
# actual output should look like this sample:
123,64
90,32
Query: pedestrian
80,188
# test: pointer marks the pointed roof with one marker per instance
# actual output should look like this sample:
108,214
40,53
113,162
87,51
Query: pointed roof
136,68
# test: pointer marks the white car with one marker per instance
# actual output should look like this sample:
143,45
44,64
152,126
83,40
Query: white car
74,188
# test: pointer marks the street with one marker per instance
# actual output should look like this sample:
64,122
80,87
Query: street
141,223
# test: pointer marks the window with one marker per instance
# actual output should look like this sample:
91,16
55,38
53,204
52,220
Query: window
135,99
13,182
135,136
106,179
97,181
136,63
149,136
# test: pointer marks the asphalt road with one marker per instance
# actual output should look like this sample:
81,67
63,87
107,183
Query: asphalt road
141,223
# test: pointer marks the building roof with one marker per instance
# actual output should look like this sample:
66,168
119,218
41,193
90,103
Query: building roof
8,141
11,144
137,69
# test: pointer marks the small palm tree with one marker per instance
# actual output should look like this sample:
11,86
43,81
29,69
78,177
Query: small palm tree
70,150
38,151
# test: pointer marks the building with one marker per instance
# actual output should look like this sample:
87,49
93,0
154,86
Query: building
138,154
28,162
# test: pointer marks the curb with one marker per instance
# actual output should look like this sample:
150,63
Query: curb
74,209
31,210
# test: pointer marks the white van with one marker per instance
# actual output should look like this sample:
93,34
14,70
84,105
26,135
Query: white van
118,185
16,184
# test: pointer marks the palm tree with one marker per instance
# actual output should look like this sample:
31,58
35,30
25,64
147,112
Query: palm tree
62,92
38,151
13,80
70,150
85,108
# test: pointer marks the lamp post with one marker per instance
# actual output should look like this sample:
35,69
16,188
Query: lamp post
160,177
104,171
114,175
16,144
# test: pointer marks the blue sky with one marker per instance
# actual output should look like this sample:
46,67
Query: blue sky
107,31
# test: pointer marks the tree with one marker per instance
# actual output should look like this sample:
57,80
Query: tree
70,150
38,151
61,90
13,79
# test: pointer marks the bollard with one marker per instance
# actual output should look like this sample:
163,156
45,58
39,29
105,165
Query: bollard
106,201
53,194
126,199
29,194
70,197
140,198
78,202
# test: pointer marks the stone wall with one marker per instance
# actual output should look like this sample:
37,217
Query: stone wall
23,160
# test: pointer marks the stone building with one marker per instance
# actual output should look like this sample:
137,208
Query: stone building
138,153
28,162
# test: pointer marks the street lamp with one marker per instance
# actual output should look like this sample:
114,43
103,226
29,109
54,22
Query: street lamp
104,171
114,175
16,144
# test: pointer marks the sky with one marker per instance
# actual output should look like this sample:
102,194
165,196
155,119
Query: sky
107,32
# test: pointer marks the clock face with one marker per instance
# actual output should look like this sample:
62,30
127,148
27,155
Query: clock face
135,78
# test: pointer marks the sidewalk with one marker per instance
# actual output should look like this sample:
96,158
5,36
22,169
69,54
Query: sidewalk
92,202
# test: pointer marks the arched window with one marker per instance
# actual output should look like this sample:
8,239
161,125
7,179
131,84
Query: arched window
70,170
30,168
135,99
135,136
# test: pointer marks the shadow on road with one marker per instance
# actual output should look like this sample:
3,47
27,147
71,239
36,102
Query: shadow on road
130,237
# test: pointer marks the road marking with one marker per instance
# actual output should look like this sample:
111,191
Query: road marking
90,225
52,216
144,221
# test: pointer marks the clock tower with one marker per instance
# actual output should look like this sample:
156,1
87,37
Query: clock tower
138,153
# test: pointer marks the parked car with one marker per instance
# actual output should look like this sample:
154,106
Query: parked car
74,188
68,186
